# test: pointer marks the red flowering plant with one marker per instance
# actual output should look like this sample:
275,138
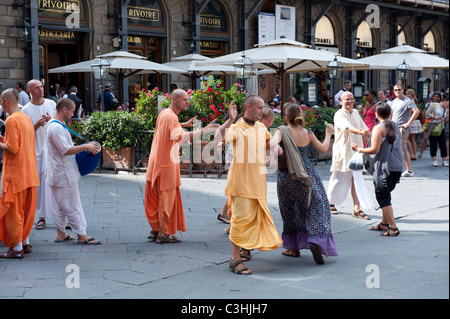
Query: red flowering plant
310,115
208,102
147,107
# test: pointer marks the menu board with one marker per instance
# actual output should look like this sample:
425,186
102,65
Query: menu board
266,30
285,22
273,26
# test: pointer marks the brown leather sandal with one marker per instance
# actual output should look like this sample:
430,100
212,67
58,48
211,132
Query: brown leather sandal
166,239
333,209
240,271
360,214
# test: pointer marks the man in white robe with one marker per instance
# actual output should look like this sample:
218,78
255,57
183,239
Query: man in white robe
41,111
349,128
62,175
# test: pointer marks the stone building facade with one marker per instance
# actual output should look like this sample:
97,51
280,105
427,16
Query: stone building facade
37,35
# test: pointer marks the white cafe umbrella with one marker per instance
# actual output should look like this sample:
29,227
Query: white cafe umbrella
188,64
285,56
417,59
123,65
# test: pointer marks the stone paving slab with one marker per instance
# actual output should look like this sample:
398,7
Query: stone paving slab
414,265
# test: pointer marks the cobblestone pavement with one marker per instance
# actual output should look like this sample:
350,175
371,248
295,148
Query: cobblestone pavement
127,265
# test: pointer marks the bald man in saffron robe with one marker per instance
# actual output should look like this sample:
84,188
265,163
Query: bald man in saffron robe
19,178
163,205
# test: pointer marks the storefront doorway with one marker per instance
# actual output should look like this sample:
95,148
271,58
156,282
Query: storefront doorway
53,55
149,47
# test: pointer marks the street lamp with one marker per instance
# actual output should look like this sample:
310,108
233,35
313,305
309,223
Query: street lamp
100,68
243,67
436,77
402,72
334,69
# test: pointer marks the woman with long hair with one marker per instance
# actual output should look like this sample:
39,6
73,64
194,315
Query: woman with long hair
303,201
386,166
415,128
430,110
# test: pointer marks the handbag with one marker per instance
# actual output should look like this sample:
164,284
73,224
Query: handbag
425,126
356,162
437,130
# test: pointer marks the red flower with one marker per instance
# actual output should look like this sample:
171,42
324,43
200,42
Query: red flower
204,119
209,89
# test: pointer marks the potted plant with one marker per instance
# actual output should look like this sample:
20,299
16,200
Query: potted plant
326,116
116,131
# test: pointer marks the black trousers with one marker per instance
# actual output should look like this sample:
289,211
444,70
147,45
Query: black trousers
434,141
383,191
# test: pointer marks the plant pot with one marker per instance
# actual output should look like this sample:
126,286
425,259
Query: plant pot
118,159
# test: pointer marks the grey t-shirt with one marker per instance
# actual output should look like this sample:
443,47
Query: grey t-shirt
402,110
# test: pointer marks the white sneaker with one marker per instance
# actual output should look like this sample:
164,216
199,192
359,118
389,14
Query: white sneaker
445,163
435,164
407,174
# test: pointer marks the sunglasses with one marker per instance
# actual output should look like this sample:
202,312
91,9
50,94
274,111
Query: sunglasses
397,90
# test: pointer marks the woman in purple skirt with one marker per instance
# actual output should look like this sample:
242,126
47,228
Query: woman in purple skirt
303,201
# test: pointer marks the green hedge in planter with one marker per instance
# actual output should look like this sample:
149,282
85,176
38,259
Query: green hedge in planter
326,114
115,130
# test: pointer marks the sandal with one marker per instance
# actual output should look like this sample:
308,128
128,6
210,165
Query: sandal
389,234
247,256
68,238
333,209
166,239
378,227
223,219
89,242
291,253
318,258
153,235
360,214
40,224
239,271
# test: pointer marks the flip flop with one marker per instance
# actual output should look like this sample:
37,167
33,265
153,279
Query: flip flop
317,256
88,242
223,219
65,239
291,253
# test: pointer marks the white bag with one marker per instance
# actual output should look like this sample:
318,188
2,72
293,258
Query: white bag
356,163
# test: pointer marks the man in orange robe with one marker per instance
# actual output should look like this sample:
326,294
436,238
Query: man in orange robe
19,178
251,224
163,205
